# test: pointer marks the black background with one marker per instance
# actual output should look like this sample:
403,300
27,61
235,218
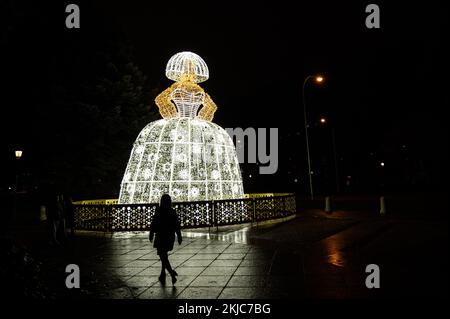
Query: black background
384,90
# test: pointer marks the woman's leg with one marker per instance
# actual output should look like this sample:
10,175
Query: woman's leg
167,263
163,256
172,272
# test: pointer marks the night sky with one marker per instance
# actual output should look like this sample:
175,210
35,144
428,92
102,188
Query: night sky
384,91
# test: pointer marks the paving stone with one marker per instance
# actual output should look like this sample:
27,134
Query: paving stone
160,293
247,281
195,246
211,251
141,281
231,250
179,257
182,281
197,263
225,263
210,281
231,256
154,270
173,263
150,256
194,271
204,256
200,293
217,271
140,263
188,251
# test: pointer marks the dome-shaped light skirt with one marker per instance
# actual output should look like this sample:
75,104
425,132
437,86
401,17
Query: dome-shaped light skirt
190,159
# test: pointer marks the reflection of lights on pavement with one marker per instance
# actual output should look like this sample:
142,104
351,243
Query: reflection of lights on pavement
335,256
336,259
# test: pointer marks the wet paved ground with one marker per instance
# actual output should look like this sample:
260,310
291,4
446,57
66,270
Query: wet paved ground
208,267
313,256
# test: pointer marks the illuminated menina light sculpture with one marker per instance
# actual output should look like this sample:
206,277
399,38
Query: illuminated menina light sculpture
184,154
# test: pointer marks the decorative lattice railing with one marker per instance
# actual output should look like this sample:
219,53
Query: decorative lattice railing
115,217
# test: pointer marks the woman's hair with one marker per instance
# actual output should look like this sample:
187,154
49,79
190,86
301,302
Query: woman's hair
165,202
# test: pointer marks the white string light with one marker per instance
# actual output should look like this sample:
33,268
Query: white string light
187,63
183,154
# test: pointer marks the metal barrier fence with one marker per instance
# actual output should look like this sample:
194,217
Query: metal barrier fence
115,217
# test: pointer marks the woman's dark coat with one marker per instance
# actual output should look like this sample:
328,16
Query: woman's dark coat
165,224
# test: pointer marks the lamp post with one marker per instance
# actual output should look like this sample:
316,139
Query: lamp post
324,121
18,153
318,79
382,177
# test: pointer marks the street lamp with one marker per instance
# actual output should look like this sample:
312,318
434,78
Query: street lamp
318,79
18,154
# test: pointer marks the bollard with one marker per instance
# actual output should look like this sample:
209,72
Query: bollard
327,204
382,206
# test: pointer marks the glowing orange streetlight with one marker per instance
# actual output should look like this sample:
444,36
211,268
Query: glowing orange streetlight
323,120
319,79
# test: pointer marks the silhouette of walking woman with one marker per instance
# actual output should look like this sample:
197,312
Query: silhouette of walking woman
165,224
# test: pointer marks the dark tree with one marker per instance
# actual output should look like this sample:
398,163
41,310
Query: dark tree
77,96
100,109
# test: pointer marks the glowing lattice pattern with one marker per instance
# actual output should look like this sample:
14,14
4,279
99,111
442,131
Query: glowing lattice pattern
187,64
114,217
184,154
185,96
189,159
183,99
